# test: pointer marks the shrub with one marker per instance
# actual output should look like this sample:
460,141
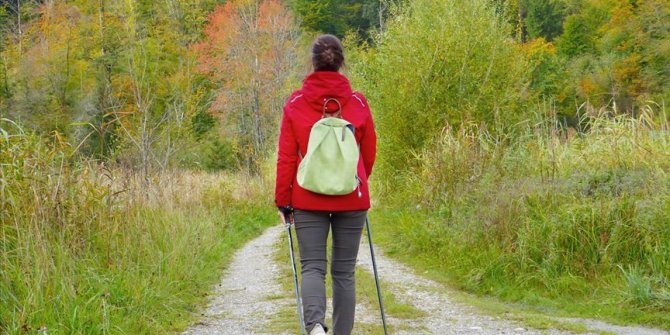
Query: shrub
437,64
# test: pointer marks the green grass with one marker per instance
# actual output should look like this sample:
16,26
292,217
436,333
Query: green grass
89,250
149,278
417,238
559,225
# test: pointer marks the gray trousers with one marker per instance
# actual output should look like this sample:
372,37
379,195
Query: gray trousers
312,229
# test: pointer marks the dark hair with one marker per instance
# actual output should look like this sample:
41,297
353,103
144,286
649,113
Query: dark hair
327,53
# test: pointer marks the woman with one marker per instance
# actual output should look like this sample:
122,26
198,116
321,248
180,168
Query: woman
316,214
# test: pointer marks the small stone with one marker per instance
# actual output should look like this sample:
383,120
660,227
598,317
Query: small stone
475,328
519,330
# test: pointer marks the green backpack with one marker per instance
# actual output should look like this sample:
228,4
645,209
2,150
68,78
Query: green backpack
329,167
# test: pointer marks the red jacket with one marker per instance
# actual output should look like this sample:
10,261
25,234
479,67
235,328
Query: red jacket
302,110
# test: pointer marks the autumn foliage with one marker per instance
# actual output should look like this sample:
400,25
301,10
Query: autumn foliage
249,52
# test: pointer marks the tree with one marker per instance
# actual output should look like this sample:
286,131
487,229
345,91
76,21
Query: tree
14,17
338,17
249,51
543,18
637,36
114,77
4,19
438,65
616,52
46,66
322,15
578,38
190,16
154,94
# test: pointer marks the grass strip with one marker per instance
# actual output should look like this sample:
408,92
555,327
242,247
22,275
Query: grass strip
144,270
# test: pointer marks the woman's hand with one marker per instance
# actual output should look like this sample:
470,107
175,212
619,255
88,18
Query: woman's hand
284,212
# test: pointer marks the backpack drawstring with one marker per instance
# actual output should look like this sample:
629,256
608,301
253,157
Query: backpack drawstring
358,186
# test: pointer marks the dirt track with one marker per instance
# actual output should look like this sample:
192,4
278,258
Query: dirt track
250,295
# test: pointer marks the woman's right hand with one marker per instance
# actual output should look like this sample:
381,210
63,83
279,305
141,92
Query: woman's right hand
283,212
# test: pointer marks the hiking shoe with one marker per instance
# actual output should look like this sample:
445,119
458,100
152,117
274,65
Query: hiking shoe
317,330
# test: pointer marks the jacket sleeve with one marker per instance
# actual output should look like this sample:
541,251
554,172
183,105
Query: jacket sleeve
287,160
369,143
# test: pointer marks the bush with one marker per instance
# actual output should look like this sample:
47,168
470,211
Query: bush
438,64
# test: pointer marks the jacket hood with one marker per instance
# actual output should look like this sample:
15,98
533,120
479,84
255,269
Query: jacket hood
319,86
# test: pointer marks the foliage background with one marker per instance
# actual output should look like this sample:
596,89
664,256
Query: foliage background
523,148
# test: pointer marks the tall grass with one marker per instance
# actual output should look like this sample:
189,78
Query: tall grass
576,220
89,249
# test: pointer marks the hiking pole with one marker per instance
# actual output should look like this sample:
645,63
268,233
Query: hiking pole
374,268
287,221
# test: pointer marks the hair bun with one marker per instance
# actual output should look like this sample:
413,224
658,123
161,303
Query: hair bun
328,56
327,53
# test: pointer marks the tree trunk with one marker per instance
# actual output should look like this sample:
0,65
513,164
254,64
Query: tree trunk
257,132
106,85
522,22
6,79
382,5
18,21
67,68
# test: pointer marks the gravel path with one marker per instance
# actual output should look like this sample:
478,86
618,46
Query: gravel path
249,295
444,315
621,330
243,300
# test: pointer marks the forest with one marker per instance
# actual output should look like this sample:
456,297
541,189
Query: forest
524,149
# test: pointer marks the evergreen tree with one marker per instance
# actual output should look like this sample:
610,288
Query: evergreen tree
338,17
543,18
